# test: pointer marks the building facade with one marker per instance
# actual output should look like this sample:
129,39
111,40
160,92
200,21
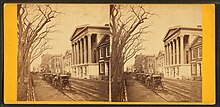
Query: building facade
67,62
177,54
104,57
160,61
144,64
196,58
45,62
84,43
149,64
56,64
138,64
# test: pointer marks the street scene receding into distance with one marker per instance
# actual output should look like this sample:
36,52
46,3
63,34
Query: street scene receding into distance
110,53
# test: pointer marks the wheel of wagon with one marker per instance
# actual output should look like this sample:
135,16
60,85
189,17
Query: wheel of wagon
162,85
148,83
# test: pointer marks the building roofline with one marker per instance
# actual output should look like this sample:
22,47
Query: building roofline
178,28
86,27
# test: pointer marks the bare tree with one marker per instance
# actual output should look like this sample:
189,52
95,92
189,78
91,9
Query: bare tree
128,23
34,25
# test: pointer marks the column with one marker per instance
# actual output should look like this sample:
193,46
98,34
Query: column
81,50
77,52
181,50
170,54
174,52
85,47
177,50
73,53
89,49
165,54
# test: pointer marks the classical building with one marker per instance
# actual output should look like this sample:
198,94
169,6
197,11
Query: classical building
45,62
56,64
84,42
196,58
149,64
67,61
160,61
104,56
177,54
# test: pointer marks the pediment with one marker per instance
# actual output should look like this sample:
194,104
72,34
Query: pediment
196,41
160,53
77,31
105,39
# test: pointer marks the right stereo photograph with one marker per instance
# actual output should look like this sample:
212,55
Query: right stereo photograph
156,53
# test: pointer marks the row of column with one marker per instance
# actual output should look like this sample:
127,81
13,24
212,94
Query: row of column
81,50
174,51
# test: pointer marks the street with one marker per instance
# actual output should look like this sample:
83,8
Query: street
81,90
45,92
173,91
138,92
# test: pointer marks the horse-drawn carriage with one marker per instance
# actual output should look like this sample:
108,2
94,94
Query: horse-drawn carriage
61,81
47,77
154,81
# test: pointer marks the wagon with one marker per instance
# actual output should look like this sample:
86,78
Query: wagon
49,77
63,81
154,82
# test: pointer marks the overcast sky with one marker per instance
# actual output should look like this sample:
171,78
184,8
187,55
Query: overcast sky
93,14
168,16
74,15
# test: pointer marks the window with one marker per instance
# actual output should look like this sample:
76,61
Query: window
102,69
101,52
187,58
199,52
107,51
193,69
177,73
193,54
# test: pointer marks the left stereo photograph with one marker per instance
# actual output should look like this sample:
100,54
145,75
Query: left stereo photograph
59,48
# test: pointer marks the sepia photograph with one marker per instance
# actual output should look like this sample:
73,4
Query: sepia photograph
109,52
156,53
63,52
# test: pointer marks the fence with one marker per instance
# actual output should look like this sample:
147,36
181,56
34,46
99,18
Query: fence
119,90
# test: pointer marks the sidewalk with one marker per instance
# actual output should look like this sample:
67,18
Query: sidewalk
138,92
45,92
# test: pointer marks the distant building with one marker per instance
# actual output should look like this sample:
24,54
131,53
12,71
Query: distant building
138,64
177,53
67,61
56,64
84,43
149,64
104,56
196,58
144,63
45,66
130,68
160,61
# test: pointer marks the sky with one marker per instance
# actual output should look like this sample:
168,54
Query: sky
98,14
168,16
73,15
